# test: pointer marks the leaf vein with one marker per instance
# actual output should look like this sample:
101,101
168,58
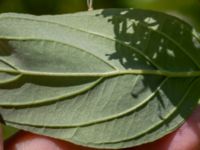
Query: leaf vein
112,117
138,51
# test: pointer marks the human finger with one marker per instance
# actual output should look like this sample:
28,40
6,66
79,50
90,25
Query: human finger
187,137
28,141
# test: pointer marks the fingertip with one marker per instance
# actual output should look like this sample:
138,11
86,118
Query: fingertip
28,141
187,137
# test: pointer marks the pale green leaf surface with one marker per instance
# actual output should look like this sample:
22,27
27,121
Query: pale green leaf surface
111,78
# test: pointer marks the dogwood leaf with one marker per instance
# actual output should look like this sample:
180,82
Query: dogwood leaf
111,78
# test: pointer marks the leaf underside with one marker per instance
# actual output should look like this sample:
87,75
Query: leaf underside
111,78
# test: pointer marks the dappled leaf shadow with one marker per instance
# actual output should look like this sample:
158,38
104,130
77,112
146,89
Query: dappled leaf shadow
145,37
146,40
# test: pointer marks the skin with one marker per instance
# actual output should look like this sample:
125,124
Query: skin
187,137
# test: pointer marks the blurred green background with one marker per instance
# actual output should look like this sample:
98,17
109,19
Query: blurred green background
187,9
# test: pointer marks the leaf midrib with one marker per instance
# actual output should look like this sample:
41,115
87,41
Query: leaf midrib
166,73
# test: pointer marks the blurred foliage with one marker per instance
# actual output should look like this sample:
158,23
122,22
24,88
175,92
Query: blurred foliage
188,9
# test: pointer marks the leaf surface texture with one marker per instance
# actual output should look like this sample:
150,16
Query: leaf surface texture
112,78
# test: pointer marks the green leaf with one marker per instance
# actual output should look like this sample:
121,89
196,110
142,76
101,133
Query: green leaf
112,78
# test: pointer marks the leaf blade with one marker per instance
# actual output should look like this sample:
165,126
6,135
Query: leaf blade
106,67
